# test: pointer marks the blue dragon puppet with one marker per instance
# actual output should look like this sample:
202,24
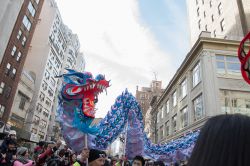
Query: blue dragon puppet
76,112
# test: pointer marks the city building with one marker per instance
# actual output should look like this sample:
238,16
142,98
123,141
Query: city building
18,20
45,59
80,62
145,95
207,83
71,55
223,18
21,105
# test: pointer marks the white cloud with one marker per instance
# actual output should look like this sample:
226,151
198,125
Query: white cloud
117,44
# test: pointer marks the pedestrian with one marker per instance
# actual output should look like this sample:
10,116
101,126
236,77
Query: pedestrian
223,141
96,157
39,149
8,155
159,163
138,161
73,160
11,136
22,158
82,159
49,152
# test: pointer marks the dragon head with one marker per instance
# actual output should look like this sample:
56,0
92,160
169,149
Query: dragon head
83,87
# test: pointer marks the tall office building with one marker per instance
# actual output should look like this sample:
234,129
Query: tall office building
145,95
51,46
228,19
71,57
18,20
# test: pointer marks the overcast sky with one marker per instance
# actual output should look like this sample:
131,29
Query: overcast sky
128,40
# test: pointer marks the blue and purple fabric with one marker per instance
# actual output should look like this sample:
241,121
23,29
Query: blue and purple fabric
124,112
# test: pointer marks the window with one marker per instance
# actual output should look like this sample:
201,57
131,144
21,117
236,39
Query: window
227,65
196,2
196,74
31,9
174,98
205,27
18,57
50,92
215,33
184,117
44,86
210,3
47,75
39,108
184,88
42,96
167,107
2,87
19,34
48,102
13,73
198,108
212,17
222,25
162,112
174,124
235,102
26,23
203,2
7,69
36,120
199,24
204,14
43,124
220,9
24,41
2,109
225,101
53,82
158,116
7,92
198,12
13,51
46,113
23,100
167,128
34,130
161,132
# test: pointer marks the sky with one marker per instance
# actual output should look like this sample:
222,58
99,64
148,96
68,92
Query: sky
128,41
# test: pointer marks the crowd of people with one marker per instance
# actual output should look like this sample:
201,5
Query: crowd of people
223,141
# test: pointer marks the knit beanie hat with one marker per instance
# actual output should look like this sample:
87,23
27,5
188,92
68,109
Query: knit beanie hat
95,154
21,151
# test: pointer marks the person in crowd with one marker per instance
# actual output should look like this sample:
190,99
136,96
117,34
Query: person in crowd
11,136
159,163
7,156
22,158
49,150
39,149
113,161
138,161
223,141
96,157
73,160
83,157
